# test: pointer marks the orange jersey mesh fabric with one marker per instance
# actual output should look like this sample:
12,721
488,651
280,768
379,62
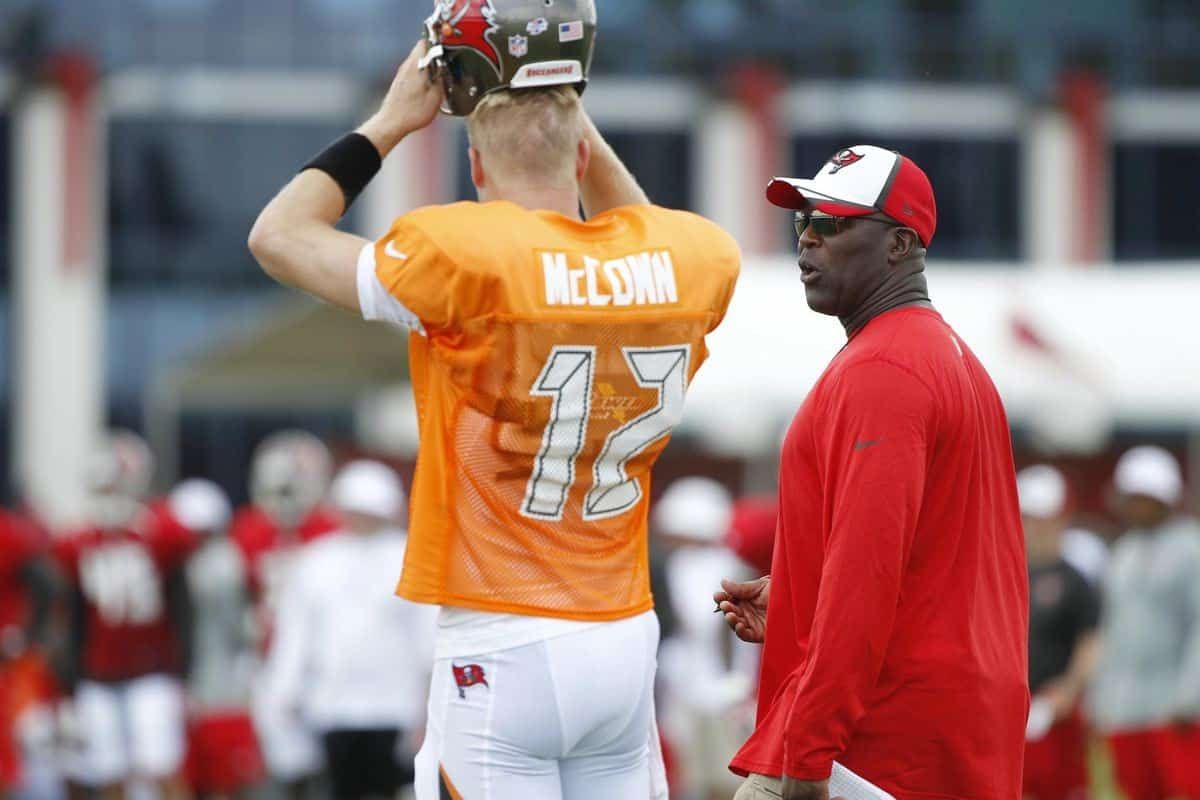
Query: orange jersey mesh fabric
550,365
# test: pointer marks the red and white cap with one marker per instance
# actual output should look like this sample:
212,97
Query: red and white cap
863,180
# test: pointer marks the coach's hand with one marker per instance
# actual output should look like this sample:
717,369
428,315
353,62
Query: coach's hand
745,607
411,103
794,789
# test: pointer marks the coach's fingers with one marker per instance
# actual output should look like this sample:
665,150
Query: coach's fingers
735,620
735,609
738,590
751,634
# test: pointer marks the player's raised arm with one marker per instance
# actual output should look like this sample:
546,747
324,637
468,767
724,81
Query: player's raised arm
294,238
608,183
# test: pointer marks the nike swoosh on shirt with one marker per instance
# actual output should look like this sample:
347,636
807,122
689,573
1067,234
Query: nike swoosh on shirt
866,444
390,250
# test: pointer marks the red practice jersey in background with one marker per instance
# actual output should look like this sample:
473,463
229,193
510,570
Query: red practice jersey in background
122,576
751,534
897,622
19,543
269,553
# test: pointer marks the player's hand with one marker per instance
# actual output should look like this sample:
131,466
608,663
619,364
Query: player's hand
745,607
411,103
794,789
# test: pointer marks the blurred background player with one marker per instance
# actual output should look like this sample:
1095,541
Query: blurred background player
751,534
350,660
27,590
131,617
1064,612
1146,694
289,476
1087,552
223,759
545,395
705,673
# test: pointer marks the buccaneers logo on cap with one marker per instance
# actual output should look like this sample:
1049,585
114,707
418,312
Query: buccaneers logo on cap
470,23
842,159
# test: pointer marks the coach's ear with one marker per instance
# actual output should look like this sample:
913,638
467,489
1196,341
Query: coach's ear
904,244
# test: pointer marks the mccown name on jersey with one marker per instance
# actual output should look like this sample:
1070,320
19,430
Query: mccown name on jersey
641,279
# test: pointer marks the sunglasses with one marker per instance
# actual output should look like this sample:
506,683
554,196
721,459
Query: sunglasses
828,225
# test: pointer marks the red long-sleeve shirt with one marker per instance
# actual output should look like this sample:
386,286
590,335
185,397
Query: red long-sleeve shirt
897,622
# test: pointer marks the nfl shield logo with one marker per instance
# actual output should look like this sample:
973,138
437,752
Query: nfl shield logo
518,46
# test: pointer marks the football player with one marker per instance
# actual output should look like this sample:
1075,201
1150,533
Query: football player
1145,695
348,658
223,758
289,476
125,568
27,589
707,676
1064,613
550,353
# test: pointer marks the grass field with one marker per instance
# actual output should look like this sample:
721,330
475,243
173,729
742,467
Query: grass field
1100,769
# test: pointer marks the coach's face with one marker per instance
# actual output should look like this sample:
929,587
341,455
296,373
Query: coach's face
842,261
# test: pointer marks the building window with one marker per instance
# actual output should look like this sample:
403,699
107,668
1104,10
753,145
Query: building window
1154,189
184,193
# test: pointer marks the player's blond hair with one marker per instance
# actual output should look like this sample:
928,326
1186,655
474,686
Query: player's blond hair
529,135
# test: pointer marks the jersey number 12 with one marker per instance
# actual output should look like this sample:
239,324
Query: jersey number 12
567,380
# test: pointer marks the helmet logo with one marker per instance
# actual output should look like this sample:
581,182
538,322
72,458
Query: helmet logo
537,27
518,46
842,159
470,24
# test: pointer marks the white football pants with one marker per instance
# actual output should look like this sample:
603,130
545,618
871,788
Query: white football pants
130,728
568,718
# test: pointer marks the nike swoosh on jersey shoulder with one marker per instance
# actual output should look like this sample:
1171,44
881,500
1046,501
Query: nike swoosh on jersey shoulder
391,251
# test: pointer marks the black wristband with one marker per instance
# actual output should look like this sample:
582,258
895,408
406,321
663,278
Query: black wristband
352,161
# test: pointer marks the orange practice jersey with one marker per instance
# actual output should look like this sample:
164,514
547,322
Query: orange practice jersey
550,362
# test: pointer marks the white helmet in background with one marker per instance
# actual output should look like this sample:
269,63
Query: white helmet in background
201,506
1042,492
118,477
368,488
1149,471
694,508
289,475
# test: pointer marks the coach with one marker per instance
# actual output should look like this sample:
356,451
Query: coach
898,599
